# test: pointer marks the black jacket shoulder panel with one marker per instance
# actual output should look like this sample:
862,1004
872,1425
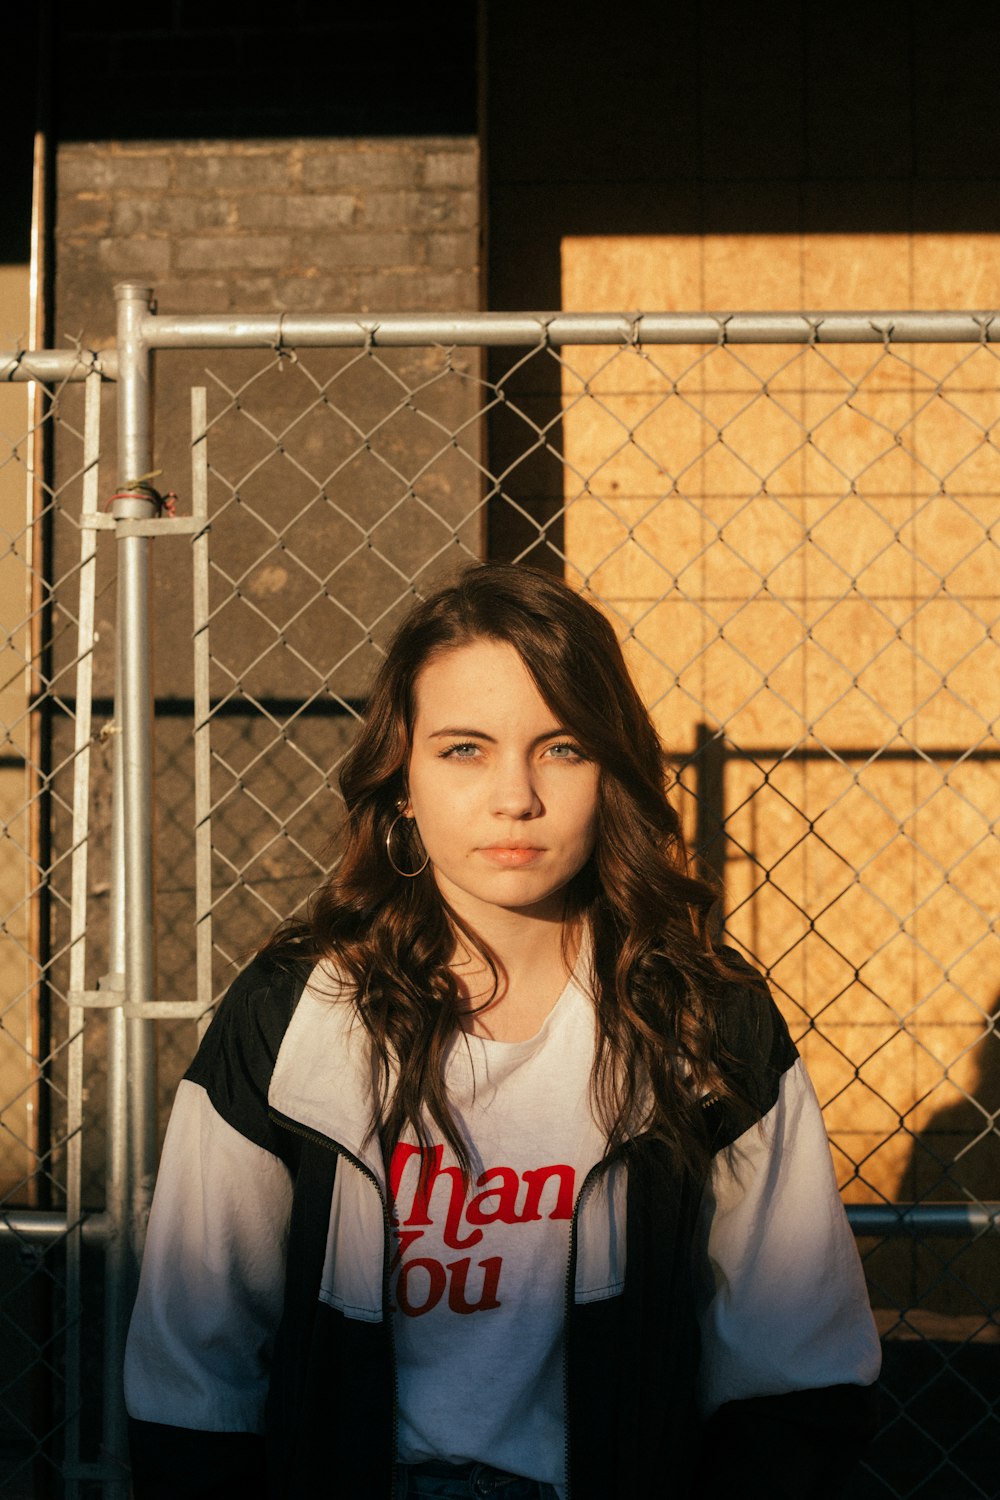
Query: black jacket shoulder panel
757,1051
236,1058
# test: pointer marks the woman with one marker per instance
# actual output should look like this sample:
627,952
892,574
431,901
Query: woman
495,1176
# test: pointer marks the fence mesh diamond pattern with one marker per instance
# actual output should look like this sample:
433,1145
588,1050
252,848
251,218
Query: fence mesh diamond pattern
55,860
795,544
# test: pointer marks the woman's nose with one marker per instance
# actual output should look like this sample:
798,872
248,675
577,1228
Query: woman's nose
514,791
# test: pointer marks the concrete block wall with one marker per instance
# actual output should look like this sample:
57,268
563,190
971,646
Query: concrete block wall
353,225
289,225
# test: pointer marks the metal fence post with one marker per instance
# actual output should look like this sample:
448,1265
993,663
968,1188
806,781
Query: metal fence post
131,1060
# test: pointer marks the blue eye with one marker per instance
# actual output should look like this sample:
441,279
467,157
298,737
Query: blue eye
565,751
464,751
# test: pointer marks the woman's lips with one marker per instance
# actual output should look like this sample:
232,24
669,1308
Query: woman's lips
511,857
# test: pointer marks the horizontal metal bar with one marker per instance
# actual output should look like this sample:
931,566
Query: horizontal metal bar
337,330
238,706
154,526
408,330
912,1220
96,999
924,1220
953,755
43,1226
53,366
874,755
819,328
166,1010
235,706
137,1010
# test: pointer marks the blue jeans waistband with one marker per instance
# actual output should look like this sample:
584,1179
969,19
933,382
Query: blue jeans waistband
441,1481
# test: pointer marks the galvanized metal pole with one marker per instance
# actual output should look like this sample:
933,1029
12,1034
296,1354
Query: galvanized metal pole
135,456
131,1081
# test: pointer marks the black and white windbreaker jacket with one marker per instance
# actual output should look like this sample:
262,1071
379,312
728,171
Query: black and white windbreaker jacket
734,1358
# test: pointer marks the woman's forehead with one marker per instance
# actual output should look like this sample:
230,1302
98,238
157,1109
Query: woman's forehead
483,673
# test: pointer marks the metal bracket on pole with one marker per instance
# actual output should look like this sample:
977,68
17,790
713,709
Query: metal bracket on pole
159,526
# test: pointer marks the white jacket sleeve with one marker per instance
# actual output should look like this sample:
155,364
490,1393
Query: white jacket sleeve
211,1286
785,1308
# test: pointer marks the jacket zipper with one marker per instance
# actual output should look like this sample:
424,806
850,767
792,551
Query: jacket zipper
568,1309
329,1144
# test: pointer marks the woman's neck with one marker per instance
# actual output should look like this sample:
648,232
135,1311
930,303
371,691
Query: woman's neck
534,960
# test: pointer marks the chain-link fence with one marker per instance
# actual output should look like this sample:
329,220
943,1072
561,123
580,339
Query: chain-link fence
788,521
56,684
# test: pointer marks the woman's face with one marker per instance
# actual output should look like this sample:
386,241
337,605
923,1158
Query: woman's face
504,800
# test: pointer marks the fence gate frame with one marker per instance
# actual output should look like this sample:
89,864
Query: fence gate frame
135,515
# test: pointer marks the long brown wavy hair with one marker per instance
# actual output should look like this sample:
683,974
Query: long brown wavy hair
657,981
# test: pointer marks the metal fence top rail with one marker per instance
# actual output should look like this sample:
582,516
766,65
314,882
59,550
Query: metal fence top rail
412,330
287,330
54,366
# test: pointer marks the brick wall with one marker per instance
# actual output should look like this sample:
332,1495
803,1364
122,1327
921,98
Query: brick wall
309,225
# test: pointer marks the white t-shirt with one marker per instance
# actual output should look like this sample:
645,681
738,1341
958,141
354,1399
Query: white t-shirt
478,1278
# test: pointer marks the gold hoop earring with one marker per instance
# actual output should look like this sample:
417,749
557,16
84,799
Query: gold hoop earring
406,874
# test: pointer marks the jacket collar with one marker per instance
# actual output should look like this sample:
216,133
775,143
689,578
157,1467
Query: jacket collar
322,1075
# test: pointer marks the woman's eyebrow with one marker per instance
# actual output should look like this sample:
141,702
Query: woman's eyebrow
480,734
466,734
